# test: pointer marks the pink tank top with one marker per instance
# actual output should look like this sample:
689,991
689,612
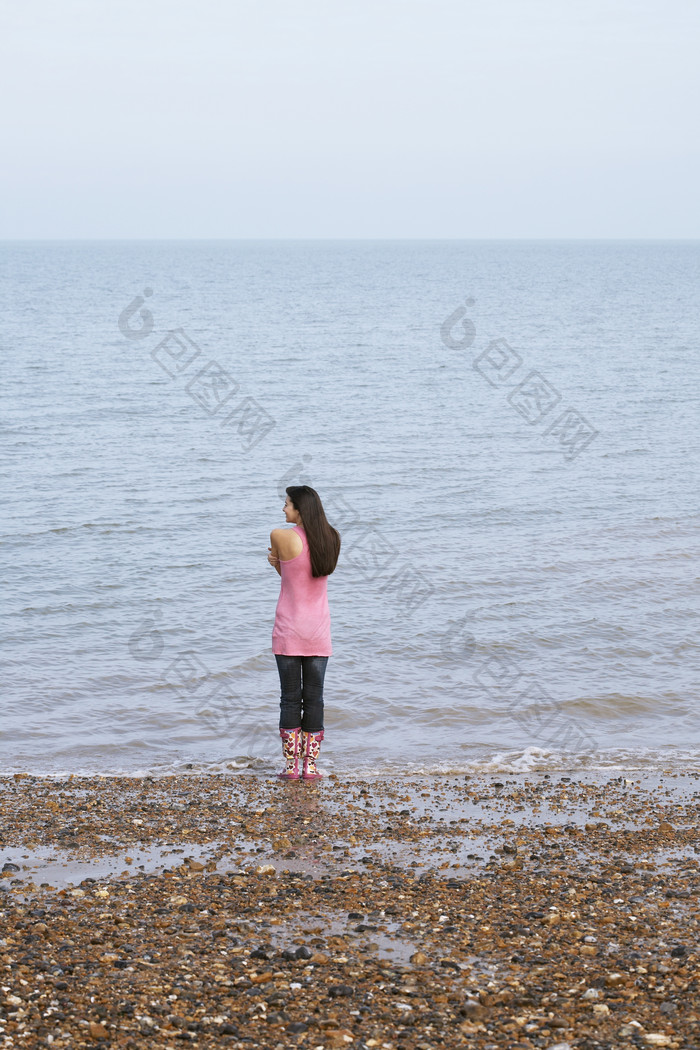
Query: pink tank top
302,618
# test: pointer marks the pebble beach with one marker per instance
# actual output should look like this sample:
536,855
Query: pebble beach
526,911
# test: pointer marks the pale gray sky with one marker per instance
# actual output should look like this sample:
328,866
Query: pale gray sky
360,118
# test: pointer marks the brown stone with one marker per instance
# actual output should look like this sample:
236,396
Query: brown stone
500,954
339,1037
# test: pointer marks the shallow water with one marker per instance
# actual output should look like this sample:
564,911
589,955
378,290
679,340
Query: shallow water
505,601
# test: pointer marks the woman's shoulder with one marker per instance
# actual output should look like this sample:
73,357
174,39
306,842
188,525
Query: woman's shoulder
288,541
291,531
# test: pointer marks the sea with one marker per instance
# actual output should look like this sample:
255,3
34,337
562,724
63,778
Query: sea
505,434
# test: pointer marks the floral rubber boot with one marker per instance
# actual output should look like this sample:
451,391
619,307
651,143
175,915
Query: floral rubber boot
291,748
310,750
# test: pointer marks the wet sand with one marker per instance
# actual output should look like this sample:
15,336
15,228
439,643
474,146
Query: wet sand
520,911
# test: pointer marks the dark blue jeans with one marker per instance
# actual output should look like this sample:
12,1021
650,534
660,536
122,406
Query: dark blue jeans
301,682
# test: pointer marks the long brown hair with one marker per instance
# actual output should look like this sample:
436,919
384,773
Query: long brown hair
323,539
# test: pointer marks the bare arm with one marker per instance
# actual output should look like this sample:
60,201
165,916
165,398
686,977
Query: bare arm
274,557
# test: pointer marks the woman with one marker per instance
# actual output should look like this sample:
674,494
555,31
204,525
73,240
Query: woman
304,556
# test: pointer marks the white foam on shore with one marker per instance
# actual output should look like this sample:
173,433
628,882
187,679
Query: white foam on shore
516,761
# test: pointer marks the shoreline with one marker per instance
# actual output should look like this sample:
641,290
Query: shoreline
483,762
255,751
492,910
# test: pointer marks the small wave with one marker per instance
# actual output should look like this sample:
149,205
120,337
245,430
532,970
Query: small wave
529,760
621,705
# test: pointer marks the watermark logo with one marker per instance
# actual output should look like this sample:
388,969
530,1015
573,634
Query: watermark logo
214,702
293,473
147,643
175,353
366,550
524,698
532,708
452,337
129,312
533,398
212,387
458,643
